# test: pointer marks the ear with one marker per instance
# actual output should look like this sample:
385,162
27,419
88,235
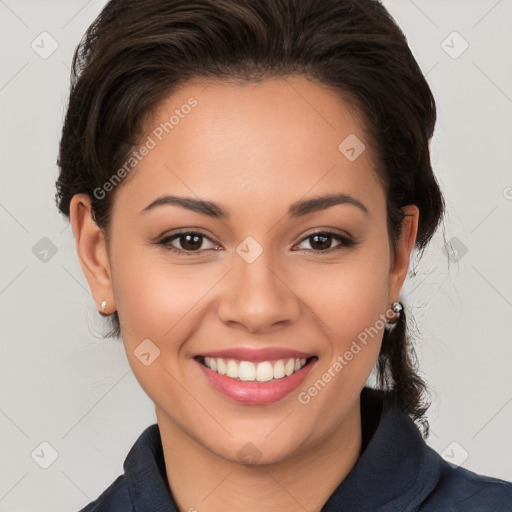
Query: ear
405,245
92,252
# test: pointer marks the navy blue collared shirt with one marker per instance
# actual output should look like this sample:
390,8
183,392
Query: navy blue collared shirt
396,472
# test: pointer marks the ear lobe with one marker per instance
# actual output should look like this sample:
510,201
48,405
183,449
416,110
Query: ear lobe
404,248
91,249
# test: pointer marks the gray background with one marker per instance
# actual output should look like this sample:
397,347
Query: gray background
63,385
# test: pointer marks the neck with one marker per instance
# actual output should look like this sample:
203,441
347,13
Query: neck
201,480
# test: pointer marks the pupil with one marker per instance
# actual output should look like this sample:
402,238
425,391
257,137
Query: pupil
326,244
191,245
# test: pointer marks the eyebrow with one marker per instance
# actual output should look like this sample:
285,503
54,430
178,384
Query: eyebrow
298,209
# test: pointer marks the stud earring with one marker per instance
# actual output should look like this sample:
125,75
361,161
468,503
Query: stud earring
397,306
103,305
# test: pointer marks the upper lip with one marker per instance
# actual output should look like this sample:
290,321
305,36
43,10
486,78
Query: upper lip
257,354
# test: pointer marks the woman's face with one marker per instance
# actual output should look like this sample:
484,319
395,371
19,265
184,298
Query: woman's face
253,284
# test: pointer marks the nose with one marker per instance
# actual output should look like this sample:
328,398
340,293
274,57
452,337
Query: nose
256,297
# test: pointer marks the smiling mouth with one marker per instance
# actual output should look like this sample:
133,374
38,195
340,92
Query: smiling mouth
249,371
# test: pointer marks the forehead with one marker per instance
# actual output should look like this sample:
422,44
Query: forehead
279,139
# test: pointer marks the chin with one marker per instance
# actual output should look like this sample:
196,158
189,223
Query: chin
257,451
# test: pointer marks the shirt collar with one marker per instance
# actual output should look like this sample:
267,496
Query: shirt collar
396,470
146,477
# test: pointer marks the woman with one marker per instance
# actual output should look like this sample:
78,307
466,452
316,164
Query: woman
246,182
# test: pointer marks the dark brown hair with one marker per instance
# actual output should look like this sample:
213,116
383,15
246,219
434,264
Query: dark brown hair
137,52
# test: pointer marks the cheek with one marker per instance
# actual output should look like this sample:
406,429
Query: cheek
352,310
155,301
350,300
350,295
154,296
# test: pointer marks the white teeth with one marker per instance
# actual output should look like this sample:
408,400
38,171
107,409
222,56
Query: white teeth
246,371
289,367
259,372
232,369
221,366
264,371
279,370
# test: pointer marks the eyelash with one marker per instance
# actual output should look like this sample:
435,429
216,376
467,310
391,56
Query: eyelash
346,242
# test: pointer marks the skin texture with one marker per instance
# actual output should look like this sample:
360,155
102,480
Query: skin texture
254,149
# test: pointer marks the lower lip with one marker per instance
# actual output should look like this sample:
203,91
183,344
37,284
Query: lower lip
256,393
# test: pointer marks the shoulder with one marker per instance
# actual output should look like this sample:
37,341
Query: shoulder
116,498
459,489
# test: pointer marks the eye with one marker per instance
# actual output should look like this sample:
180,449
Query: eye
321,241
190,241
